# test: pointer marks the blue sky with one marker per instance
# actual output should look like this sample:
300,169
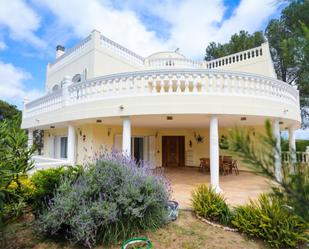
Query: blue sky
30,30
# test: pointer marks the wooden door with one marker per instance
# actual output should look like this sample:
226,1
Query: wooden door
173,151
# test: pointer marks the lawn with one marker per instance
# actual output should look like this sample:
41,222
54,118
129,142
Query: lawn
187,232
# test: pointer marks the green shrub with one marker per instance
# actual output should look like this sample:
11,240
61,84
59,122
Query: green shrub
301,145
45,182
210,205
269,219
110,201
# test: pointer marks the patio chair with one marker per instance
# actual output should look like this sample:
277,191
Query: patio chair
235,167
226,165
204,164
158,171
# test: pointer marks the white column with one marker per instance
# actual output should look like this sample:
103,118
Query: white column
71,144
277,150
214,154
126,136
292,144
30,138
67,81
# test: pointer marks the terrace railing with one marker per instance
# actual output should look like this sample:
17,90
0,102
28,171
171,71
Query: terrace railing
300,157
157,82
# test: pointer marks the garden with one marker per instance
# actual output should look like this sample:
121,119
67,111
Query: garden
112,199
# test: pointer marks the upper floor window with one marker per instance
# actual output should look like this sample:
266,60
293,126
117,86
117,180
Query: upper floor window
55,88
77,78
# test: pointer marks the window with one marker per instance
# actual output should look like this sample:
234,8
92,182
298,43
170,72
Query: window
77,78
261,53
237,58
64,147
240,57
226,61
256,52
233,58
137,151
55,88
245,56
248,55
85,73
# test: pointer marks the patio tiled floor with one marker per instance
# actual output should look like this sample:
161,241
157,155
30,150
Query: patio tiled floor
237,189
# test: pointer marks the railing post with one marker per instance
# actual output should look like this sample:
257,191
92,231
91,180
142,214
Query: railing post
277,150
292,144
214,153
95,38
26,100
65,93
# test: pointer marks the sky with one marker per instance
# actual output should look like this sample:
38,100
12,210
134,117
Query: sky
30,30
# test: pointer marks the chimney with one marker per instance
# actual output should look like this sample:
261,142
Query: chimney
59,51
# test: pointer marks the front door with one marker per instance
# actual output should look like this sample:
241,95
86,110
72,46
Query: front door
173,151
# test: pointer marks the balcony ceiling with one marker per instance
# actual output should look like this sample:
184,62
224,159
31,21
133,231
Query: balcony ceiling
183,121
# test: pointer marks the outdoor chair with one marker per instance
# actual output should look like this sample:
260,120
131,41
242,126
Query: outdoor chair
235,167
226,165
204,164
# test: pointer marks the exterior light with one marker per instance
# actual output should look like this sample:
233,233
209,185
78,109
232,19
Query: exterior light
169,118
52,127
121,107
243,118
99,121
280,122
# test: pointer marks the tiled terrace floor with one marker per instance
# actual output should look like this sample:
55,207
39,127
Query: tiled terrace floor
237,189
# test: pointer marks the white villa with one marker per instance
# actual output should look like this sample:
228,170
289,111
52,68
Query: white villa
165,108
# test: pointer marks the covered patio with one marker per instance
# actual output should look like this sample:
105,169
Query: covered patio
237,189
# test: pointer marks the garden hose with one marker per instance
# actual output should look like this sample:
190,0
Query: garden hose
135,243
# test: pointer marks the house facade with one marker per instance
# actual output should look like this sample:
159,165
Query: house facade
165,108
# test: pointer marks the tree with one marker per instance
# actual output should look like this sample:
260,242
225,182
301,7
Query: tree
8,111
289,46
15,158
237,43
259,155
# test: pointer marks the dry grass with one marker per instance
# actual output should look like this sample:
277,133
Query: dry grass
187,232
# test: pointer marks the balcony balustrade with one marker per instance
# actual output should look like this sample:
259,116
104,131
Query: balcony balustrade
164,82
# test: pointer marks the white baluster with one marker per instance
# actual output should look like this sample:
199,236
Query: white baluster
239,84
178,84
232,84
154,86
203,83
210,87
132,83
170,86
187,86
225,84
194,89
162,90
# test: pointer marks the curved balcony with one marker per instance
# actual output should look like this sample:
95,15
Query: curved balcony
167,92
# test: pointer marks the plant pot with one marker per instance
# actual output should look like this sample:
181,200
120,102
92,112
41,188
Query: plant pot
173,209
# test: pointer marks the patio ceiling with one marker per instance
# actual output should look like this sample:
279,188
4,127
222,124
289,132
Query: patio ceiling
184,121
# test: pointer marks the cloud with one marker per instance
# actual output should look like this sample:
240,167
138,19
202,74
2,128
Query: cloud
21,21
123,26
191,24
3,46
12,84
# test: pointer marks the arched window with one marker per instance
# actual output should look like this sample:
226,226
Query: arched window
77,78
55,88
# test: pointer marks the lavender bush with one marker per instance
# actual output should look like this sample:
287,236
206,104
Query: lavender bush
112,200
